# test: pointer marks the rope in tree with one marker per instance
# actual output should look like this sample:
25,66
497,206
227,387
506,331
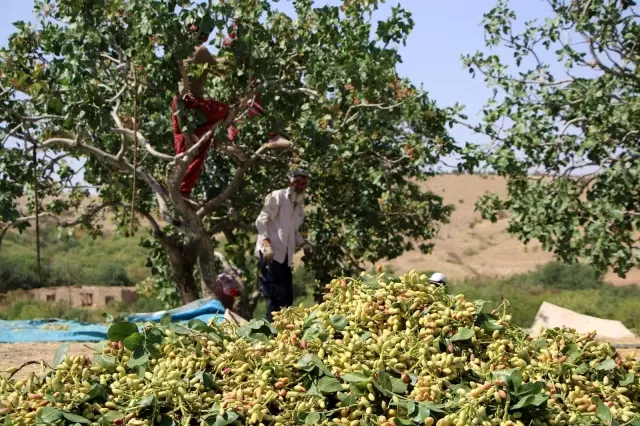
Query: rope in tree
135,147
37,212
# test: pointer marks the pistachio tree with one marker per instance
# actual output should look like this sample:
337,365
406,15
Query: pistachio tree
564,127
90,86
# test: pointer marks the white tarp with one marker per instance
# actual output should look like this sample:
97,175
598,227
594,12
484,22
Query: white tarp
550,316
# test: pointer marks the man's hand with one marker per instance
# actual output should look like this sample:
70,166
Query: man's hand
267,251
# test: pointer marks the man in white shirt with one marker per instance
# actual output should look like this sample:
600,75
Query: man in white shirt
278,237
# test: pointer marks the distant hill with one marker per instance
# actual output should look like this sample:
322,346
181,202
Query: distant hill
472,247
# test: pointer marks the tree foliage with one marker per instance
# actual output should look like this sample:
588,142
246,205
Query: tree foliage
73,82
567,106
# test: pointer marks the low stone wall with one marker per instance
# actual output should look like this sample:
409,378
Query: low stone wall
90,297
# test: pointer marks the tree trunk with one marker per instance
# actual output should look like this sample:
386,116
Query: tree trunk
182,258
208,265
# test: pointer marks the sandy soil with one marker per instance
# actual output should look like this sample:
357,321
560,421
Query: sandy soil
16,354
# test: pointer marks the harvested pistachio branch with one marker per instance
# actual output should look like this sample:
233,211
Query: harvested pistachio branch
379,351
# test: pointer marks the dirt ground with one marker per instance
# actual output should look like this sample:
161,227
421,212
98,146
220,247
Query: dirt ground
16,354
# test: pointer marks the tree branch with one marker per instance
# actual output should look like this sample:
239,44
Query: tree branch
279,143
348,119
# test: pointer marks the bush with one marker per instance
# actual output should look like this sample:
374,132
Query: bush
576,287
567,277
109,260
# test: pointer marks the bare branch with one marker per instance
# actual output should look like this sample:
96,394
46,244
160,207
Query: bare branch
303,90
82,218
145,142
111,58
37,118
279,143
348,119
10,133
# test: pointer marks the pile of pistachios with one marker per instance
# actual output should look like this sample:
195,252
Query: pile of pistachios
380,350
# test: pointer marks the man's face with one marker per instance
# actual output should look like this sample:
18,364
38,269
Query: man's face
299,184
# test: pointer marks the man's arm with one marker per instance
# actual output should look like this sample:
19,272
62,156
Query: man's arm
267,214
203,56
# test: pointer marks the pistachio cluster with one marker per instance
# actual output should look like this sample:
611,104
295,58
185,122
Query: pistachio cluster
378,351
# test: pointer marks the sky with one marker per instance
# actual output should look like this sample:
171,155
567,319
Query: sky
444,30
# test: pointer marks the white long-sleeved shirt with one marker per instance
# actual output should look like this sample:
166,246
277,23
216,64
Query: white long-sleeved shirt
280,221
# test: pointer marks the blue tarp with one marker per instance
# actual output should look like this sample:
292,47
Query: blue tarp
202,309
57,330
51,330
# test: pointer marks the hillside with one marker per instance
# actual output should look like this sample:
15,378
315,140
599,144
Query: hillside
467,247
472,247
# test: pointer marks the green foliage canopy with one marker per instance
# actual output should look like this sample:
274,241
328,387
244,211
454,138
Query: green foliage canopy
73,82
578,117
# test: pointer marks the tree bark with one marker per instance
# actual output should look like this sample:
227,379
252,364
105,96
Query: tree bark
182,258
209,270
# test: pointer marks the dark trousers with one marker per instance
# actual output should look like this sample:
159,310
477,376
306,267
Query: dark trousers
276,284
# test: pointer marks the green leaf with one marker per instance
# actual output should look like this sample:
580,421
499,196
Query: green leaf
530,401
107,361
582,368
432,406
530,388
364,336
347,399
540,343
329,385
226,419
121,330
463,334
136,362
606,365
385,381
60,354
507,375
422,414
134,342
628,379
75,418
147,401
603,412
180,329
371,282
201,326
166,319
97,391
49,415
488,322
315,331
480,305
355,378
257,330
312,418
571,348
398,386
310,361
339,322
